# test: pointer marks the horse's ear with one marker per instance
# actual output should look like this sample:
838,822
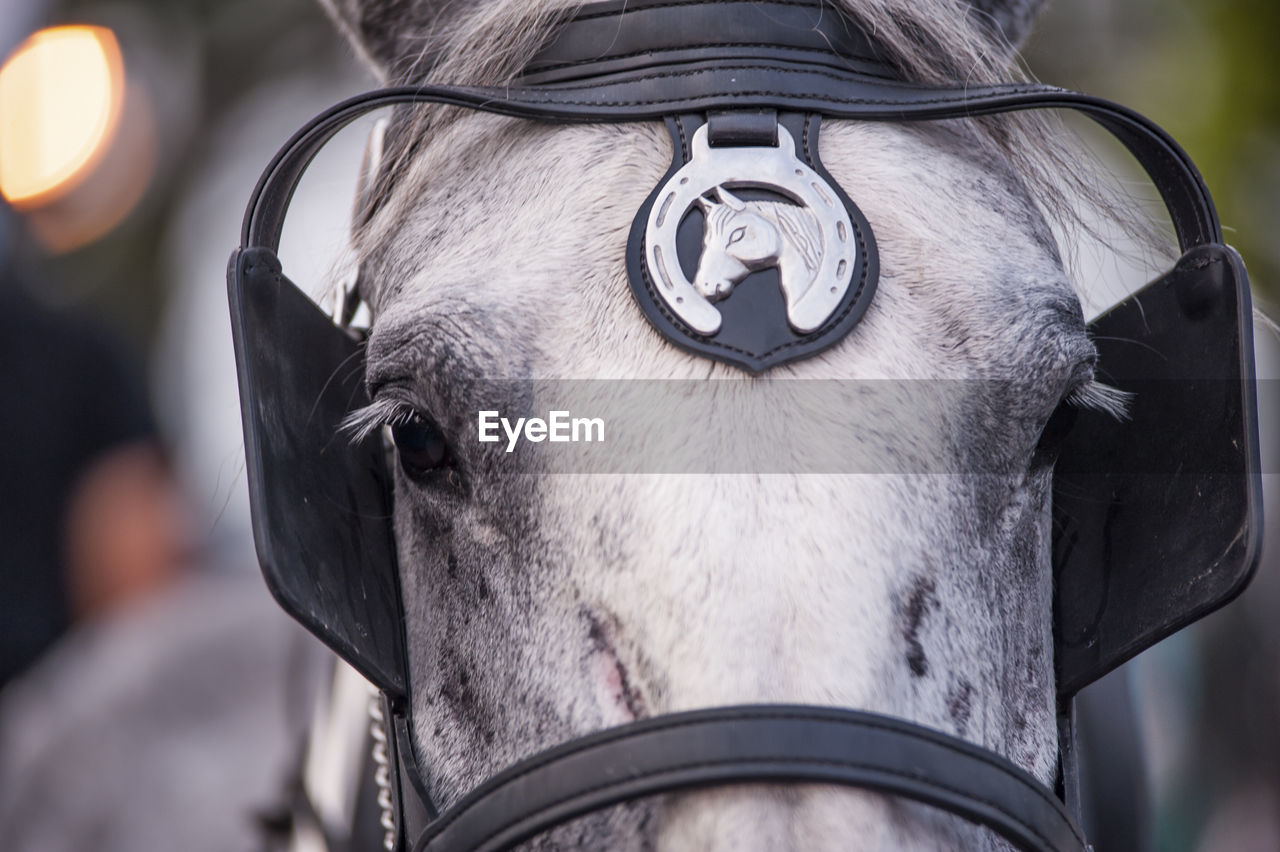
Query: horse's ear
1008,20
706,205
727,197
393,36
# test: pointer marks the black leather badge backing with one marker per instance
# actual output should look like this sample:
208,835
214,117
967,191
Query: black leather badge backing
1158,518
321,504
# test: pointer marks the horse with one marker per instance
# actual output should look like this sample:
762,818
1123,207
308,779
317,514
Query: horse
539,609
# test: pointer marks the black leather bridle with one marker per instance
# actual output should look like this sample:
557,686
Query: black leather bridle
733,64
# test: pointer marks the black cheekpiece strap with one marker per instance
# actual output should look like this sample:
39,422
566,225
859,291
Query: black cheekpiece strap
755,744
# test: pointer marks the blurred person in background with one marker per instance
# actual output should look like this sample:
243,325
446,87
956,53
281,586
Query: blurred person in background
90,516
143,697
142,680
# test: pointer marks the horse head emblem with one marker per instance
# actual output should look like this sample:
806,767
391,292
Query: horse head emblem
740,237
796,222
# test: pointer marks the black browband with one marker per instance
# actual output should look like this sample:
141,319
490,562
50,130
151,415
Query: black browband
647,60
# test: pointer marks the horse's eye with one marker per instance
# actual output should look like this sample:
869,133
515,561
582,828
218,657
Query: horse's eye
420,446
1054,434
738,233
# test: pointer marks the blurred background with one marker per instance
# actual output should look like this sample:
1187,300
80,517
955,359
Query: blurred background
129,144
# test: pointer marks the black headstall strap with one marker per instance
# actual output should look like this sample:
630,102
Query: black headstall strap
649,95
1142,544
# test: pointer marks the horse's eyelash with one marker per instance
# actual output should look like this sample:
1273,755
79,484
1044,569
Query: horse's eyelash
1097,396
363,422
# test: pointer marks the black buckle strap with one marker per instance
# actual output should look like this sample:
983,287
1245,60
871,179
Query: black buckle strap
414,810
741,128
755,744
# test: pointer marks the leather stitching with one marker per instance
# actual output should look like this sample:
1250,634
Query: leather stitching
609,57
808,4
659,723
782,761
961,95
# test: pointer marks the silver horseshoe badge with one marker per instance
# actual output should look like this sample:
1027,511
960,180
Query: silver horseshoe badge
808,236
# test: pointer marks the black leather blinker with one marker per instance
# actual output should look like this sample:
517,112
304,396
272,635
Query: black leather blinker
321,505
1158,516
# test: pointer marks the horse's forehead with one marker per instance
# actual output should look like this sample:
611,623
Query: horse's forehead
531,223
490,177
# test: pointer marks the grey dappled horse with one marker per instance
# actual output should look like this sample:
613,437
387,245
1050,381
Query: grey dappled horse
541,608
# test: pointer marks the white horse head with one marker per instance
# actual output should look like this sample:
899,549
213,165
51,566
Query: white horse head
542,607
740,237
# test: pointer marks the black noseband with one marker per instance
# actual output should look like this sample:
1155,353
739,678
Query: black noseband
755,744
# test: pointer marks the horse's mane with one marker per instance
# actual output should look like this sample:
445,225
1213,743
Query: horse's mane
930,41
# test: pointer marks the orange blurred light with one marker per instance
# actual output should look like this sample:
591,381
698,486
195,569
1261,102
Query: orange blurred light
61,96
